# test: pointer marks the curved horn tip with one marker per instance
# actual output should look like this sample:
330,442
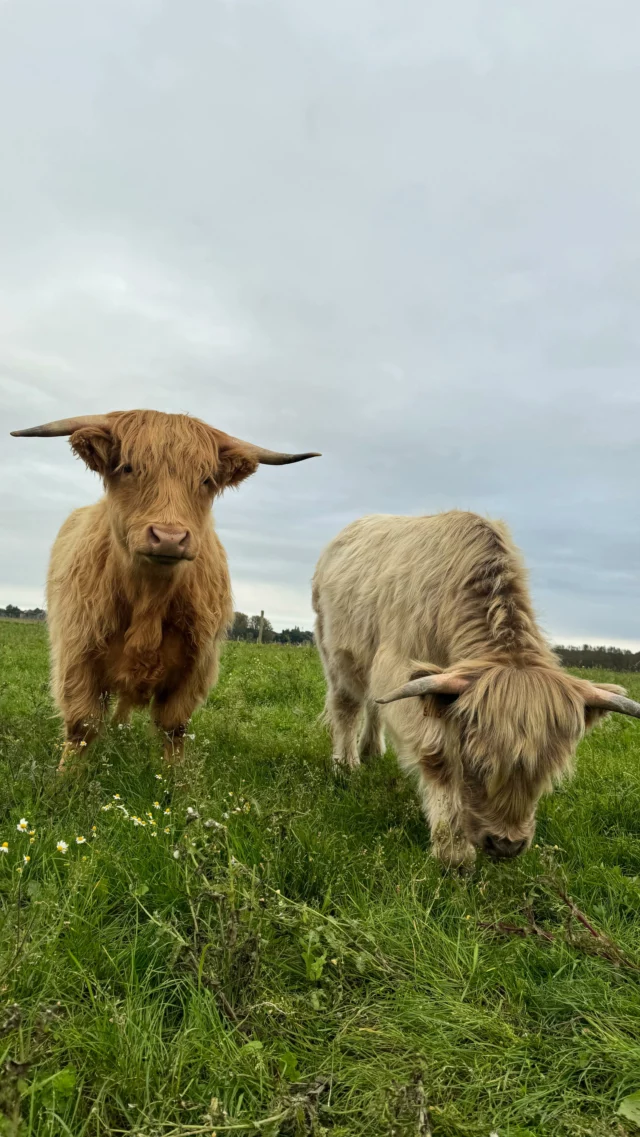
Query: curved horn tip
303,457
261,454
65,426
30,432
625,706
273,458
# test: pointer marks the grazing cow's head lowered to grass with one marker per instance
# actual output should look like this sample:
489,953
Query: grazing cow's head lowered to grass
161,473
504,734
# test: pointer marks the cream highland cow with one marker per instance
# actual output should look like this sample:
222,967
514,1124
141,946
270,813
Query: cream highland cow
425,625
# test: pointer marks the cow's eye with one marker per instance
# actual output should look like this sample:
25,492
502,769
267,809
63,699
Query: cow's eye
126,469
208,483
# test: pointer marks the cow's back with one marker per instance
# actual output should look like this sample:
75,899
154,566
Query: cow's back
367,580
398,581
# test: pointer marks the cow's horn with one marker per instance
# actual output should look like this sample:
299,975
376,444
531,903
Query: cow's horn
266,457
609,701
63,426
441,684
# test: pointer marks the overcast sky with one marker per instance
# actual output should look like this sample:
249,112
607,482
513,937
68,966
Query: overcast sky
401,232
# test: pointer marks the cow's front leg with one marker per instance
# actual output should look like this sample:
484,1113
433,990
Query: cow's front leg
82,704
173,709
172,718
344,711
122,712
372,742
443,811
173,746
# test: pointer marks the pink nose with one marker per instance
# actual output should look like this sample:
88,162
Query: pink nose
167,541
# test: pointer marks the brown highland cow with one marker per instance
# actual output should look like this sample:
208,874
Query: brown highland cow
138,592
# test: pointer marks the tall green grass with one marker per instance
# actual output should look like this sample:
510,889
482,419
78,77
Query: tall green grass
287,959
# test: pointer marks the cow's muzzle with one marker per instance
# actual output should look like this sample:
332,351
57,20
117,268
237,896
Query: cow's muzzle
503,848
167,544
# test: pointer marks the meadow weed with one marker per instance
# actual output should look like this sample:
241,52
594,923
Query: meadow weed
249,944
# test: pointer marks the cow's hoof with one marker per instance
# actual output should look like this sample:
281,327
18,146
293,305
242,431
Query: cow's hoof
173,757
68,758
454,852
343,763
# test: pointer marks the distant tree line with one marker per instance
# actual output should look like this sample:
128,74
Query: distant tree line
610,658
244,627
248,628
13,613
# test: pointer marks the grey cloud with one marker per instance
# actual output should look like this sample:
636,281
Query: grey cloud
401,234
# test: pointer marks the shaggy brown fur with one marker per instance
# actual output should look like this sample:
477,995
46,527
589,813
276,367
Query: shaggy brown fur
450,591
120,622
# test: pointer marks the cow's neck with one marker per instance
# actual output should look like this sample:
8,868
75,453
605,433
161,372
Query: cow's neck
500,627
524,652
149,606
149,597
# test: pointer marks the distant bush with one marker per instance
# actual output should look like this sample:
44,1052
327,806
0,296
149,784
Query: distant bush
293,636
612,658
11,612
248,628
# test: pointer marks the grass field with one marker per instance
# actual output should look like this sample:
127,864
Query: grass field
287,959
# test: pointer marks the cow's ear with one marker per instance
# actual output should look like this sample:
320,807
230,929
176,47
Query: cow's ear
235,463
96,446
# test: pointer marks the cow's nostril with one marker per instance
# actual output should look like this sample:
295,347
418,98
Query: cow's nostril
503,846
